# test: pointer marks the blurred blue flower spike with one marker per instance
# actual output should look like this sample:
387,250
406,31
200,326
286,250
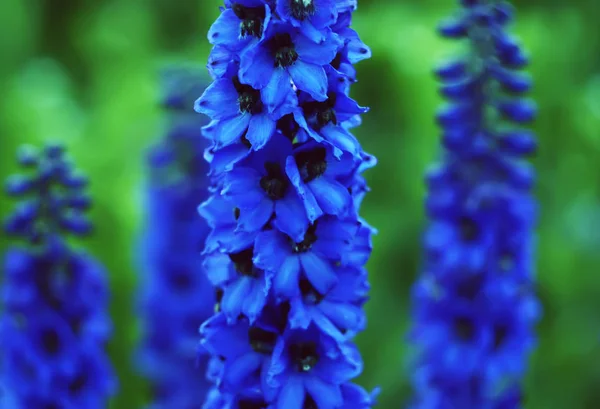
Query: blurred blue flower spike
474,304
175,295
287,247
55,322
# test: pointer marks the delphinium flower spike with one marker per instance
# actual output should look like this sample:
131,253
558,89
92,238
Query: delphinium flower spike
287,247
175,294
55,323
474,304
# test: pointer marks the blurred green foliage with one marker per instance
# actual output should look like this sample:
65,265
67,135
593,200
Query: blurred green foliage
85,73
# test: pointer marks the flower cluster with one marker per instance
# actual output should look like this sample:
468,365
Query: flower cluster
54,324
287,248
175,294
474,303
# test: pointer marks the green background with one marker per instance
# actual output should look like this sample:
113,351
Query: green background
85,73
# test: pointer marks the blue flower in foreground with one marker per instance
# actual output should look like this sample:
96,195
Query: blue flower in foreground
54,325
175,296
474,305
287,246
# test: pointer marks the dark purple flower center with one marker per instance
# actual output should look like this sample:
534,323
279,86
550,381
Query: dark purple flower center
500,335
309,402
304,356
275,182
180,280
469,230
302,9
464,328
470,286
283,50
248,97
337,61
288,126
311,163
321,113
243,262
78,383
262,341
252,404
252,19
310,237
50,341
309,294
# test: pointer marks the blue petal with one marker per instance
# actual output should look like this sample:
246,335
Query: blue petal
292,394
256,66
310,78
313,210
318,271
344,315
260,130
357,50
333,197
325,395
238,370
219,100
271,250
218,268
317,53
234,296
224,158
257,297
277,91
222,339
300,316
253,219
218,61
232,129
286,281
290,216
242,187
225,31
341,138
326,13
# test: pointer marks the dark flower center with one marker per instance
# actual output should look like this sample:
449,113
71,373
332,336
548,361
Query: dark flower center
309,402
301,9
288,126
218,297
248,97
243,262
51,405
283,50
50,341
464,328
78,383
180,280
252,404
321,113
274,183
469,230
304,355
311,164
337,61
470,286
252,19
262,341
500,334
310,237
309,294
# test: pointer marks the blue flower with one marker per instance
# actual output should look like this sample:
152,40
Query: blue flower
474,307
311,16
240,24
240,110
260,188
54,298
287,248
175,295
287,54
308,365
314,257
